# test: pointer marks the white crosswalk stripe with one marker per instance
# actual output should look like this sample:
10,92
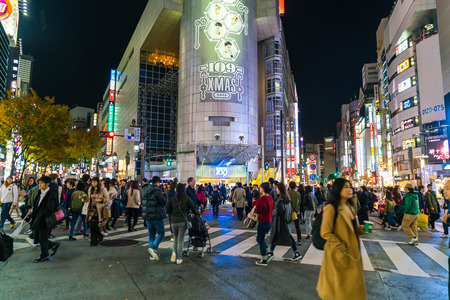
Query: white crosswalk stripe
244,245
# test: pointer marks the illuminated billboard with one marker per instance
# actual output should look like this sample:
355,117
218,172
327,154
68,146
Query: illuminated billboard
9,16
221,32
437,149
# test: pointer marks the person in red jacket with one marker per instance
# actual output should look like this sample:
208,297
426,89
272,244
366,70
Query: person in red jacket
264,209
201,197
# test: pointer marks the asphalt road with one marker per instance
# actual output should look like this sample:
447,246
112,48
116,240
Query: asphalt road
393,269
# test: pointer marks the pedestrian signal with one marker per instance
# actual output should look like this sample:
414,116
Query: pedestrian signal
266,166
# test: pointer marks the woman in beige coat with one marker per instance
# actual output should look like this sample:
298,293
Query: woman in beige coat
341,275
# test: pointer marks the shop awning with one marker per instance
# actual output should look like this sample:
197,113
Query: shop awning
226,155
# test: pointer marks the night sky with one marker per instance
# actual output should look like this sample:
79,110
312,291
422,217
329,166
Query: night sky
76,43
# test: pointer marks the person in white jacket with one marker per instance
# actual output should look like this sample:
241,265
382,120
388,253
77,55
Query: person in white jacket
9,194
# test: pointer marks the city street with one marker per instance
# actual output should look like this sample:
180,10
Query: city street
393,269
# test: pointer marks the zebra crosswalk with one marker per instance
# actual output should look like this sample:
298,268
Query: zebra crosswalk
424,260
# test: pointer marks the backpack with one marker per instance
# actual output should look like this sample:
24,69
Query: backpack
317,239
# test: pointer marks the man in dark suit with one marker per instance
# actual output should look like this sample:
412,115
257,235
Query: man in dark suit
43,204
190,192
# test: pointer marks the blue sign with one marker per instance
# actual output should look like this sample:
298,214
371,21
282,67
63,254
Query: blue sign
220,171
446,166
312,177
303,165
432,180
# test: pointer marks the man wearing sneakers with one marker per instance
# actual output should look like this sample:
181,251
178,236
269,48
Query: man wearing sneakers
154,213
410,209
433,206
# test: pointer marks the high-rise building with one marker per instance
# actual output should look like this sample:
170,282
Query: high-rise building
25,73
199,79
81,117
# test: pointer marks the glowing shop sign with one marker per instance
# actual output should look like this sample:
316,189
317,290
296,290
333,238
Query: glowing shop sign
220,171
404,85
403,66
223,23
402,47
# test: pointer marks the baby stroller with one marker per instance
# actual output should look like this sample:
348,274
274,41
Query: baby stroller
198,236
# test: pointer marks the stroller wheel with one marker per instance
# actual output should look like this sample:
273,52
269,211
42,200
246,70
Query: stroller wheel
208,250
201,254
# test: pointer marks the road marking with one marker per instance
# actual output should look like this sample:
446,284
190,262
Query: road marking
367,264
241,247
434,254
404,264
225,237
313,256
168,244
18,246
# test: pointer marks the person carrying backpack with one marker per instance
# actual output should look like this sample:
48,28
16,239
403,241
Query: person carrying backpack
341,275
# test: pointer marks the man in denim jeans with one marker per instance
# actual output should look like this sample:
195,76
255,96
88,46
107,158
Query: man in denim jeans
154,213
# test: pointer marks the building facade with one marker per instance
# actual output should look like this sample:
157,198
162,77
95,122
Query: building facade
4,58
191,82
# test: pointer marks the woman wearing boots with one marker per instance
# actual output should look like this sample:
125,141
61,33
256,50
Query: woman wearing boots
98,197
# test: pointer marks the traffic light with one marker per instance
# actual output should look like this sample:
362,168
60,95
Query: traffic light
266,165
107,134
168,161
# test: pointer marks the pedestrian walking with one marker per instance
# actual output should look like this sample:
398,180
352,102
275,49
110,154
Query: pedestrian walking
295,204
310,209
341,275
301,190
78,199
67,204
264,209
190,192
410,209
97,196
9,196
363,213
433,206
280,234
216,199
389,208
43,204
179,206
154,213
324,192
133,204
445,207
201,197
115,206
239,200
248,200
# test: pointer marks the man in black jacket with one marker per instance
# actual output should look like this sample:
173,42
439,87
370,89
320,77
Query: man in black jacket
154,213
190,192
43,204
363,214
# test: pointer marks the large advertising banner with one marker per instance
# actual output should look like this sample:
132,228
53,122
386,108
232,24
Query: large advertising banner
431,86
220,34
437,149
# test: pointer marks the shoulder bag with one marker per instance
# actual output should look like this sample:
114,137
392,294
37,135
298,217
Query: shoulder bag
188,224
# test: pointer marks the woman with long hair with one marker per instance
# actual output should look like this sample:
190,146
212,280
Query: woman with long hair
134,201
389,207
341,275
112,195
9,196
178,207
281,231
98,197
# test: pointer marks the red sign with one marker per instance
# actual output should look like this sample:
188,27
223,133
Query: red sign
111,96
313,167
5,9
312,157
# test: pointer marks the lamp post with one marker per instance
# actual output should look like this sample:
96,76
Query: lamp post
114,157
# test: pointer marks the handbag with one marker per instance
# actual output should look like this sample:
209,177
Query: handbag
6,246
106,212
422,221
54,218
294,216
188,224
252,219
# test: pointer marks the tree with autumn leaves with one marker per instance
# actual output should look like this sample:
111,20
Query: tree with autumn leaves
37,130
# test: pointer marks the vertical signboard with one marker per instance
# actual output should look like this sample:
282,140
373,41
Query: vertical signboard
9,16
111,109
221,32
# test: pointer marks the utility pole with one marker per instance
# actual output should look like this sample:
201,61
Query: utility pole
262,155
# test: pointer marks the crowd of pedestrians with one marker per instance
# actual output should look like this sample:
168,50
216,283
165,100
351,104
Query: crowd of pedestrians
94,205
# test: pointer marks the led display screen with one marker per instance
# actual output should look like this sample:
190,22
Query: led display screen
437,149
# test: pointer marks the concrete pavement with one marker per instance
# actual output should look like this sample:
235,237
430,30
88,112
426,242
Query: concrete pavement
394,270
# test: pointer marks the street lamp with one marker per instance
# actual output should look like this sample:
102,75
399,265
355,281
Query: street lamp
114,157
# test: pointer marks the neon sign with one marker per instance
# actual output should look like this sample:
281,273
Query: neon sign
221,171
222,23
111,110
